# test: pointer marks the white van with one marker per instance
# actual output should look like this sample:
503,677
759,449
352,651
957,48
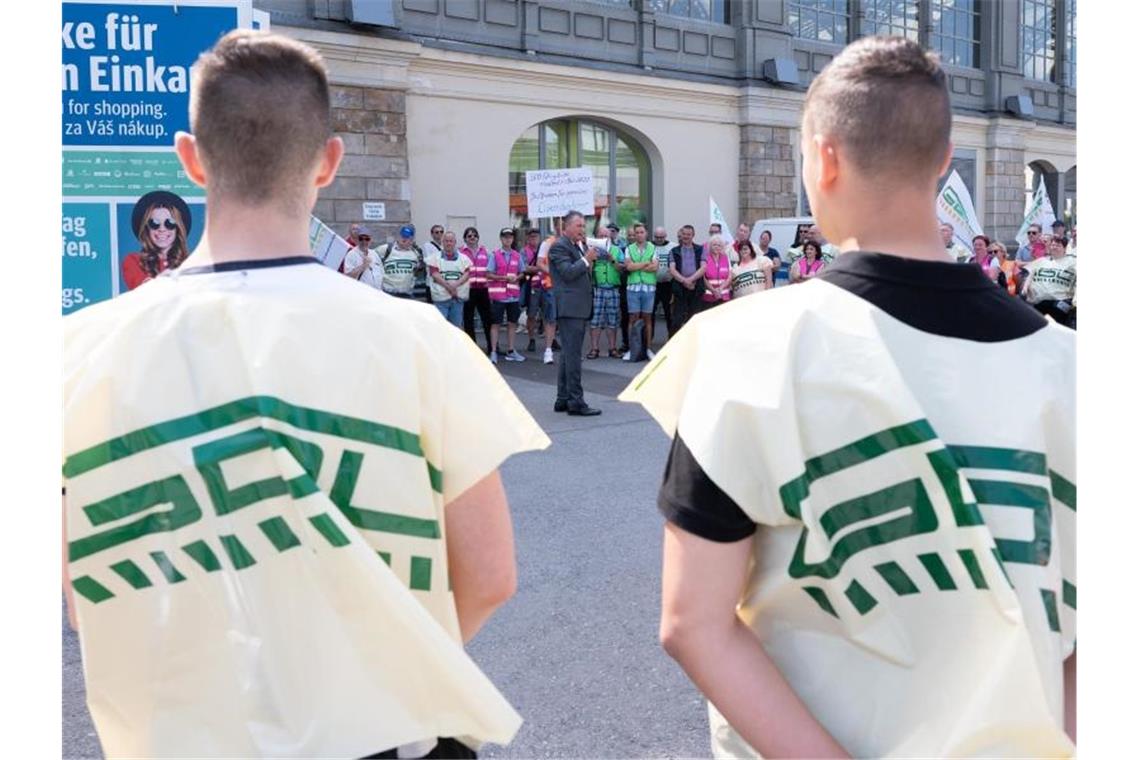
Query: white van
784,236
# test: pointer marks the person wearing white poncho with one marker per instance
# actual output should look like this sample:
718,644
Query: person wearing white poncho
282,506
858,560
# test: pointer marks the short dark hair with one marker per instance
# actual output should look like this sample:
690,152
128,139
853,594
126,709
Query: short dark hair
570,215
766,232
260,114
885,101
1030,227
435,227
747,244
688,227
468,231
981,237
815,245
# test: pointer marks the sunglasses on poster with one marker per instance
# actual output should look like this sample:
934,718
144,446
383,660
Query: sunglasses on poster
168,224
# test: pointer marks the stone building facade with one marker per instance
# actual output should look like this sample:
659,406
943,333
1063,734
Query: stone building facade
445,104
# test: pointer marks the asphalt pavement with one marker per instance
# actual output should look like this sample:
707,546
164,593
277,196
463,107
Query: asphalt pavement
576,650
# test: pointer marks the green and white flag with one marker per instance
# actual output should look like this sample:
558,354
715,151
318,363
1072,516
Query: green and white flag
1040,212
956,208
716,216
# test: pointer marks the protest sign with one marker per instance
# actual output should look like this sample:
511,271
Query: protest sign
553,192
329,247
1040,212
126,91
956,208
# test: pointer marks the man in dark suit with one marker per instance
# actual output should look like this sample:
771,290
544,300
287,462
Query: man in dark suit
570,269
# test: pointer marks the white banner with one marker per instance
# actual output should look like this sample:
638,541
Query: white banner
329,247
956,208
1040,212
553,192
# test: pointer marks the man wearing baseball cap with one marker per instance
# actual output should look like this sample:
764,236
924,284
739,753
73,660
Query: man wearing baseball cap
401,262
504,277
362,263
623,285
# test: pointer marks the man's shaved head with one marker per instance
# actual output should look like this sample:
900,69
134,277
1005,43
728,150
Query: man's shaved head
884,101
260,115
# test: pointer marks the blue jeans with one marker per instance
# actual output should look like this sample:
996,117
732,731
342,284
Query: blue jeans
452,311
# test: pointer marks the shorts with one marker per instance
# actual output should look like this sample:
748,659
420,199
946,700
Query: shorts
640,301
544,300
607,305
508,309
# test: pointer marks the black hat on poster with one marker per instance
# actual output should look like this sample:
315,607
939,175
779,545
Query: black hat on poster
163,198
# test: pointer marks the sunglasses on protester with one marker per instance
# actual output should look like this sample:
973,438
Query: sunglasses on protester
168,224
363,237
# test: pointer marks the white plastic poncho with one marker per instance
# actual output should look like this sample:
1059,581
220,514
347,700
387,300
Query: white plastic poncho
256,465
914,571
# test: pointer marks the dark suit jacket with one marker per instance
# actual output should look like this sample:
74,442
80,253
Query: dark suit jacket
675,254
573,284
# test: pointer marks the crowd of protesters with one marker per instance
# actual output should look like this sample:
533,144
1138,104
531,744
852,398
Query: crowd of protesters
507,291
1043,272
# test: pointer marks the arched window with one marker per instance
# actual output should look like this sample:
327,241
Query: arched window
1068,210
1035,171
619,164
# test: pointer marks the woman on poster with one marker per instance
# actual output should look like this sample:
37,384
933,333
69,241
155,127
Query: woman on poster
161,221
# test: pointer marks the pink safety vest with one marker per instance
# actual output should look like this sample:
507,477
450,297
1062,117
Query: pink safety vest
531,255
718,275
806,269
505,264
478,269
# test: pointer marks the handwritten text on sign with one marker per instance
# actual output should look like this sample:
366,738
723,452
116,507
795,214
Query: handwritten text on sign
553,192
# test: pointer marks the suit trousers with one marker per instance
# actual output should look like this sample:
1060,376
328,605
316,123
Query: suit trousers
571,333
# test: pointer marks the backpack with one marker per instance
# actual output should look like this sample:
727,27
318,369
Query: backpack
637,342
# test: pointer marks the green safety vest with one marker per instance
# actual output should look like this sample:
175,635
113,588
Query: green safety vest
643,276
606,272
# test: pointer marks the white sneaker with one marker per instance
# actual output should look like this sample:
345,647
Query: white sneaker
548,357
626,355
494,357
649,353
515,356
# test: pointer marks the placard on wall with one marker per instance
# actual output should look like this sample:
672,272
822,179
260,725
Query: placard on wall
126,92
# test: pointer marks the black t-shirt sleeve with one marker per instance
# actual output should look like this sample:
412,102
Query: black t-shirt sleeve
691,501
